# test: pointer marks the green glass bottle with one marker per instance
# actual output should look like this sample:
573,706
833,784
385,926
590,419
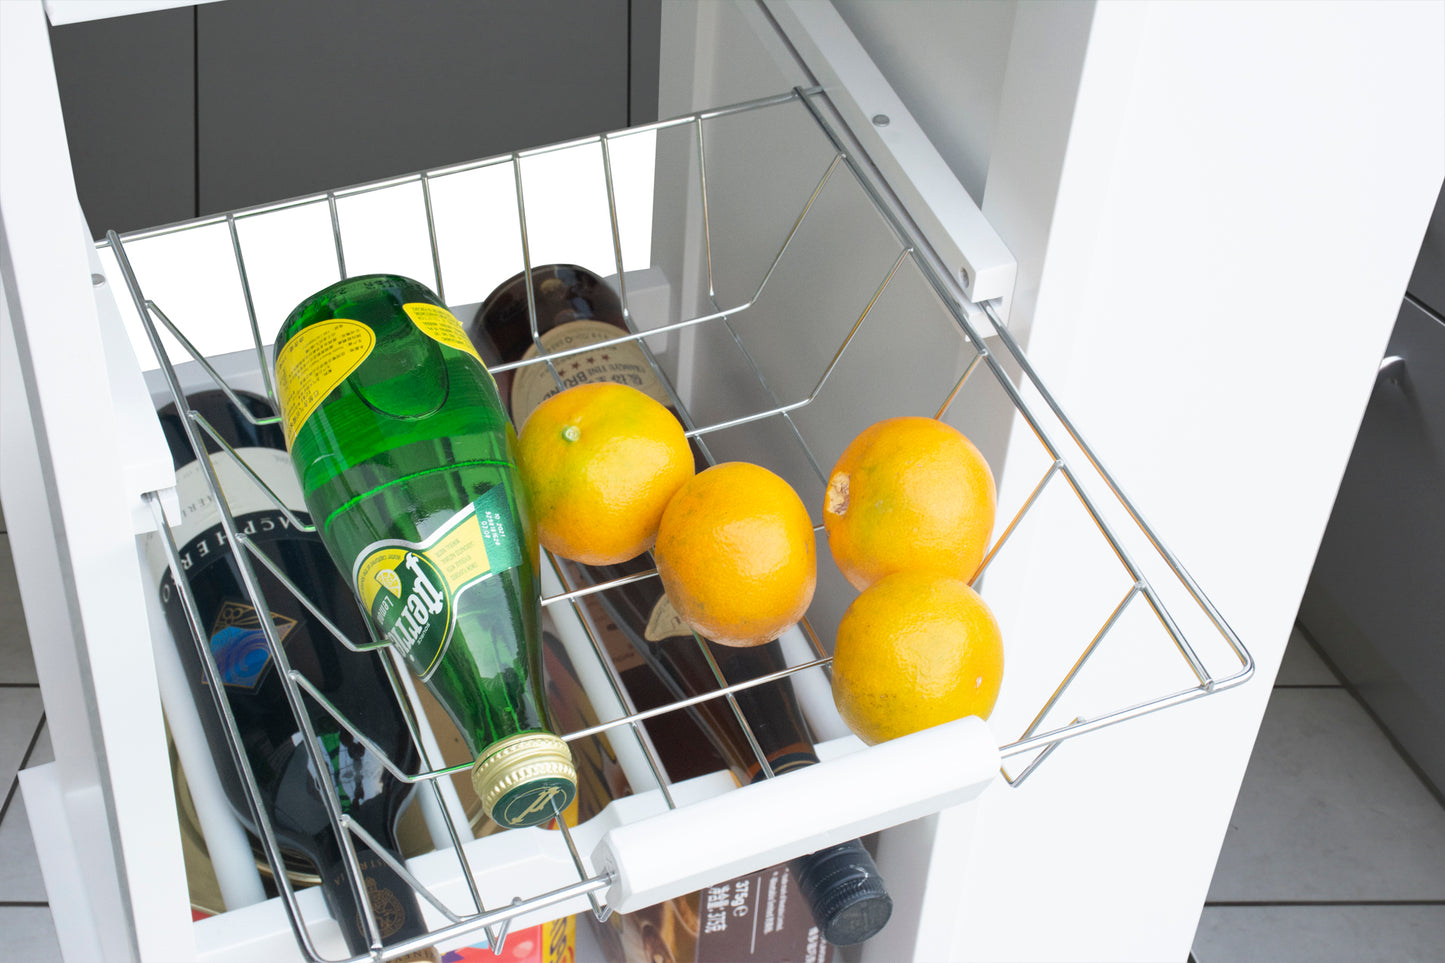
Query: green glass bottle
406,459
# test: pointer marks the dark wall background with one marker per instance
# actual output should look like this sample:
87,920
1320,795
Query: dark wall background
196,110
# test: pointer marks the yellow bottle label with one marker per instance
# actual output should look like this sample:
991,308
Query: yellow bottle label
441,326
314,363
559,939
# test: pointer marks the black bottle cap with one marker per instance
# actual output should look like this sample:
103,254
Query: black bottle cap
849,900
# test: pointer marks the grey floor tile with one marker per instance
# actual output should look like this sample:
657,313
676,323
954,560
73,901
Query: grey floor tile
1302,665
20,711
17,664
29,933
1329,811
1320,934
20,878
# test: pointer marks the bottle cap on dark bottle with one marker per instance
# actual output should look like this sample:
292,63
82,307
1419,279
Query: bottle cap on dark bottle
526,779
849,900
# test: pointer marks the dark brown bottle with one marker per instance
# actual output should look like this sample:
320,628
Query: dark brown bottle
575,309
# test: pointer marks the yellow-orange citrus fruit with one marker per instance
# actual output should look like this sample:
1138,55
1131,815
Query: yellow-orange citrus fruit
600,462
909,493
736,554
915,650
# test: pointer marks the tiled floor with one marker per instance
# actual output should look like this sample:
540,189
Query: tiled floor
1335,853
1336,850
25,919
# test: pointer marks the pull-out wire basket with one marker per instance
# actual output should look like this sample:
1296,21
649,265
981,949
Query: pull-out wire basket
786,301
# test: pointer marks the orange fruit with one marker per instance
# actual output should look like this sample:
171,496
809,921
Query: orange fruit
736,554
914,650
600,462
909,493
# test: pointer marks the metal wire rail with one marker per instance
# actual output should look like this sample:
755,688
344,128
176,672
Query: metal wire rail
913,254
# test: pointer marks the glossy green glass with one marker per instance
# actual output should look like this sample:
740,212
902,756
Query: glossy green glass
401,443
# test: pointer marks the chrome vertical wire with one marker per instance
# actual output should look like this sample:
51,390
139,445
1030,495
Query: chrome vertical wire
616,229
250,310
706,223
336,233
978,353
431,233
527,271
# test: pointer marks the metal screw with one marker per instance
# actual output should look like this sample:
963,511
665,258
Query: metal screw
881,120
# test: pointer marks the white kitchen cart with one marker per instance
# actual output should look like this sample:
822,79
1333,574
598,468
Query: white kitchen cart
1152,225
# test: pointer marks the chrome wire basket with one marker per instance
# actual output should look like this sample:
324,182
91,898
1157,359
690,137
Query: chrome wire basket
786,301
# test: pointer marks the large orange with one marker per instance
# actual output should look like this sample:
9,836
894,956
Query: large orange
909,493
914,650
600,462
736,554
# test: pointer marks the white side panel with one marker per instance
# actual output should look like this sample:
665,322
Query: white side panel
1218,263
71,527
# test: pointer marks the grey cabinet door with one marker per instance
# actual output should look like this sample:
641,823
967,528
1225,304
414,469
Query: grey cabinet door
127,92
1374,604
295,97
196,110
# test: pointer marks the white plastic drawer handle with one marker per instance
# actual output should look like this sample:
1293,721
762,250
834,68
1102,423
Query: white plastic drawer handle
774,820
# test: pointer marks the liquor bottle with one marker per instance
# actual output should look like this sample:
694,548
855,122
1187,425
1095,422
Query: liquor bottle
576,309
407,462
356,683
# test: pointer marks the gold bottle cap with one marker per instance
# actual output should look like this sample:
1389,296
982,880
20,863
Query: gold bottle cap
525,779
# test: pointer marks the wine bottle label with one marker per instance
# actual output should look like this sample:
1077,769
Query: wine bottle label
623,363
410,588
237,638
382,888
200,512
238,643
314,363
664,622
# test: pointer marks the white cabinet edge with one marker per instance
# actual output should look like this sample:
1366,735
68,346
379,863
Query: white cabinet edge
949,219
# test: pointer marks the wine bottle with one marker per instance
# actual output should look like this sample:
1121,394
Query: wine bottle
356,683
575,309
407,462
725,921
